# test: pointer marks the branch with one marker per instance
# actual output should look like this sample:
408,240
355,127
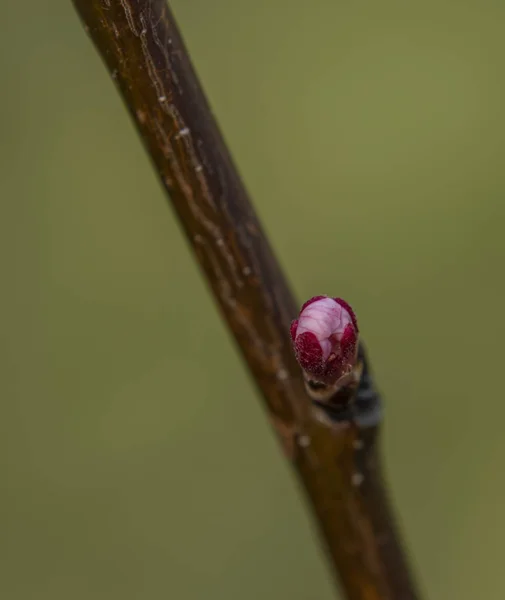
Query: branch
336,458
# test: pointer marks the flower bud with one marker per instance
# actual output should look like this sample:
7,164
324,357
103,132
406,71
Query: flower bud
325,339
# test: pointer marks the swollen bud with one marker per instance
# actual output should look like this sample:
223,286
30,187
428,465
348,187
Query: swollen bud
325,340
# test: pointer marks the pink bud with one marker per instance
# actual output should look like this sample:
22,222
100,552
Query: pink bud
325,339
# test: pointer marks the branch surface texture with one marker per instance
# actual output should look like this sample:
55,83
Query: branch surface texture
332,446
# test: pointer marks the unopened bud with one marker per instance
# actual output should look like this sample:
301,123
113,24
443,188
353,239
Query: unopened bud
325,339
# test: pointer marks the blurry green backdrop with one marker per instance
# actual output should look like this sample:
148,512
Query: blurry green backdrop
371,137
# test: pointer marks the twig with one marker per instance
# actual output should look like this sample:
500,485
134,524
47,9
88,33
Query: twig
337,458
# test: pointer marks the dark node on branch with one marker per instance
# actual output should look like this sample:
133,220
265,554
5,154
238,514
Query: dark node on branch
358,403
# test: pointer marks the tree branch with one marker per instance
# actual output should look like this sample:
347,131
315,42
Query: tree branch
336,458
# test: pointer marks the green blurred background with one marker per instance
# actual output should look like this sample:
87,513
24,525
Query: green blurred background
371,137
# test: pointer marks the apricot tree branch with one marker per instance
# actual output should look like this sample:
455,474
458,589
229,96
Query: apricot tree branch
336,458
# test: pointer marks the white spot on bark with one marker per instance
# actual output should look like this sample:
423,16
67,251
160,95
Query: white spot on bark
282,374
304,441
357,479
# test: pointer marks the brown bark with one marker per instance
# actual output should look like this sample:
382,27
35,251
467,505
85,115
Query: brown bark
337,460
